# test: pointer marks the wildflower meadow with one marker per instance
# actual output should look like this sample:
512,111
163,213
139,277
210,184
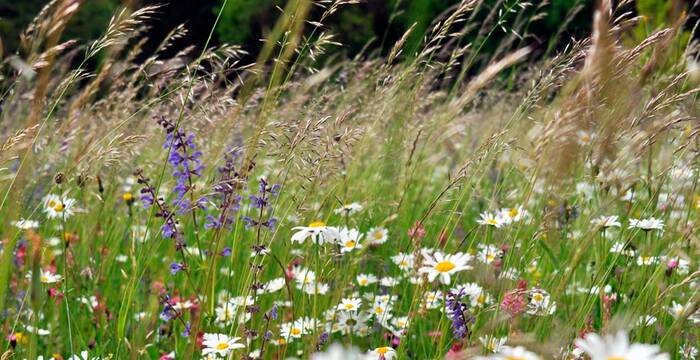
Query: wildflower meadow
451,201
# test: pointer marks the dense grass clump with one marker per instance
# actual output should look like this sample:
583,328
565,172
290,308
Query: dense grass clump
413,206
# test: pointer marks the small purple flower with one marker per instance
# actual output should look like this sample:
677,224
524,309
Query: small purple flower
458,312
176,267
186,332
168,313
226,252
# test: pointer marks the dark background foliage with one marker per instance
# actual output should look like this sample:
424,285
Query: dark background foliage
372,24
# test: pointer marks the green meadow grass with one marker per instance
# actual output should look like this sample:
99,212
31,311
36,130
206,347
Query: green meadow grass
424,143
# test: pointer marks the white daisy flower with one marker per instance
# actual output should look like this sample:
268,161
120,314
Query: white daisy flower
488,253
337,352
349,240
688,352
47,277
490,219
618,347
220,344
317,231
606,221
383,353
389,281
646,224
511,215
492,343
272,286
541,303
511,353
584,138
352,304
292,330
647,260
366,279
444,265
403,260
377,235
432,299
57,207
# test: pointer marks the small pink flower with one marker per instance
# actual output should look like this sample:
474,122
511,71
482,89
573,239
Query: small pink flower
417,231
514,303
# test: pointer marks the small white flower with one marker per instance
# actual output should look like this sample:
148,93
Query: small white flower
488,253
47,277
26,224
606,221
377,235
646,320
492,343
584,137
349,209
58,207
688,352
511,215
647,260
403,260
646,224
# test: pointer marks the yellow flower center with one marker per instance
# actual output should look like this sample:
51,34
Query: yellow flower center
615,358
383,350
404,263
52,203
491,221
490,257
378,235
349,306
296,331
44,278
350,243
379,310
281,341
127,197
513,358
59,207
317,224
222,346
481,299
444,266
513,212
538,297
363,281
